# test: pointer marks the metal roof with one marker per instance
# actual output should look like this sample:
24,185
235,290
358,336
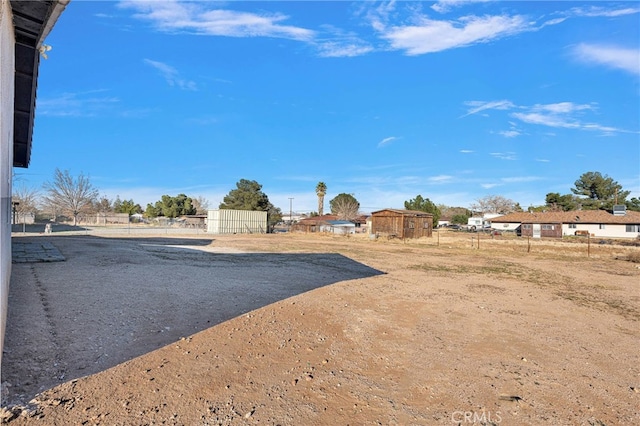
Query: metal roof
32,20
417,213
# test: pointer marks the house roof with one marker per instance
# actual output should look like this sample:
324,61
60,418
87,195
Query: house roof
314,220
576,216
404,212
32,21
340,223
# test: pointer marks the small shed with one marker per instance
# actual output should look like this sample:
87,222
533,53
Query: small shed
538,229
342,227
227,221
396,223
313,224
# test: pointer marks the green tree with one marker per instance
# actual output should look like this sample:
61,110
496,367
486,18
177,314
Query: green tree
634,204
598,191
274,216
70,195
248,195
424,205
460,219
556,202
126,206
171,207
321,191
345,206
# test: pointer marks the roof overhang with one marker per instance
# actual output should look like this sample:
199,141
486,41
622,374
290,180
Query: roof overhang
32,21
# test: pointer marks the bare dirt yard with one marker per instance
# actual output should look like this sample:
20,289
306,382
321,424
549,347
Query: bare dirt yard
289,329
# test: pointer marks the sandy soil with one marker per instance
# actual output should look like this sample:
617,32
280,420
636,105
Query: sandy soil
443,332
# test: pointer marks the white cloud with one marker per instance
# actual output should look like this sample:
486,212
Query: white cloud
489,185
598,11
611,56
443,6
466,151
337,49
479,106
80,104
387,141
174,16
504,155
563,107
550,120
520,179
430,36
171,75
509,133
440,178
560,115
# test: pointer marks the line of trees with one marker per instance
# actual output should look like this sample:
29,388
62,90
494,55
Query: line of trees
68,197
72,197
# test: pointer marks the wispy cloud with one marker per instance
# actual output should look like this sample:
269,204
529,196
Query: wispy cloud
509,133
196,18
599,11
479,106
511,156
624,59
171,75
551,120
466,151
520,179
566,115
336,42
440,179
387,141
443,6
429,36
80,104
489,185
561,114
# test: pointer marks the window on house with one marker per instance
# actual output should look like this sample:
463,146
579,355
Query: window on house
527,226
573,226
633,228
547,227
425,225
411,225
602,226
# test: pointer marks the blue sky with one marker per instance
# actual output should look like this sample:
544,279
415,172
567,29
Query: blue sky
452,100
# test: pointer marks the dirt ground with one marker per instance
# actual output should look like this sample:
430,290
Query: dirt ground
325,330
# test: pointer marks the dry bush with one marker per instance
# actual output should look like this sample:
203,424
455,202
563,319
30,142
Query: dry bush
633,257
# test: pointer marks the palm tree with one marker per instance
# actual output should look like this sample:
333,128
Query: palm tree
321,190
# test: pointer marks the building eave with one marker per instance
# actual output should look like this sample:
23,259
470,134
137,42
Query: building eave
33,21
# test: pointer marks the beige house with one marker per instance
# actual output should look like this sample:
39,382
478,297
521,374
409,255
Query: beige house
596,223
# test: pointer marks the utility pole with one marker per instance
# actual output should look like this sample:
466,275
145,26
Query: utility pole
290,211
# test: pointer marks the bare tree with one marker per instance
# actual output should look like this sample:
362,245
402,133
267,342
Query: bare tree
201,204
345,206
70,195
494,204
24,200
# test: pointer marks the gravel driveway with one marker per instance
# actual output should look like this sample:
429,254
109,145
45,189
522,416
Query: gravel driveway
114,299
